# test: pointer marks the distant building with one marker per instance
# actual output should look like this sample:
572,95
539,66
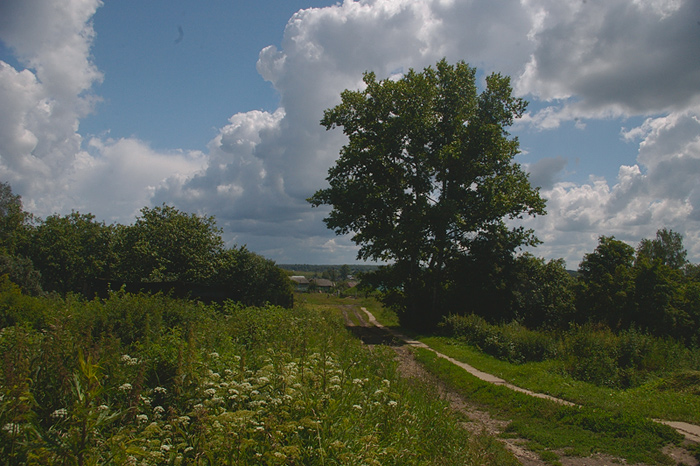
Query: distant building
301,283
322,284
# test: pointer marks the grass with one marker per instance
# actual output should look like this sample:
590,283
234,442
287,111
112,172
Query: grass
551,428
157,381
661,398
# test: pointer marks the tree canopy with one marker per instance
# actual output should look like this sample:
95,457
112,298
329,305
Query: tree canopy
427,171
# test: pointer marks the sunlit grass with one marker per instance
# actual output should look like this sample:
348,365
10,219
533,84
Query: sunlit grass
140,380
549,377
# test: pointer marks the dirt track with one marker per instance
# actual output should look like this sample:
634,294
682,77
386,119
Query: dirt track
363,325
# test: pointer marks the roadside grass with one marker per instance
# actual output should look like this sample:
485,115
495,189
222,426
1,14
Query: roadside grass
153,380
673,398
553,429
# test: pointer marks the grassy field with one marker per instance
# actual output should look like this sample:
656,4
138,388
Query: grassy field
613,421
140,380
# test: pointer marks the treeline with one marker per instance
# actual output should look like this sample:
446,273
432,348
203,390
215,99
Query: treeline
164,250
652,288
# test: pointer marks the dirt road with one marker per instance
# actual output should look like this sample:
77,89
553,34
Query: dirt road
364,325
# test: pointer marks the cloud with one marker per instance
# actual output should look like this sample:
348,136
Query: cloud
41,150
545,171
661,191
579,60
600,59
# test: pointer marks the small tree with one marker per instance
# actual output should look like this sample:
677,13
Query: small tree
427,170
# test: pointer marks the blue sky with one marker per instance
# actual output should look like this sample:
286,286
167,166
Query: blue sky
213,107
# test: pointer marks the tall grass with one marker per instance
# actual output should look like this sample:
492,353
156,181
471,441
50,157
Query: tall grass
150,380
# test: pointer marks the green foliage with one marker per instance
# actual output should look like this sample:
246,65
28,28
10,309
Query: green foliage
166,245
252,279
21,271
551,427
589,353
511,342
71,251
14,221
139,379
544,293
667,248
426,172
607,283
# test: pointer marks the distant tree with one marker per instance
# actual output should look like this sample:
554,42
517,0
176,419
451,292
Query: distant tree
659,300
253,280
71,251
545,292
344,272
427,171
13,220
606,279
166,245
21,271
667,248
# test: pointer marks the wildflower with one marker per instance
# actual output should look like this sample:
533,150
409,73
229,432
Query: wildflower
392,404
125,387
335,379
357,407
378,392
263,380
357,381
11,428
158,410
142,418
210,392
162,390
165,448
129,361
280,455
214,355
103,408
59,413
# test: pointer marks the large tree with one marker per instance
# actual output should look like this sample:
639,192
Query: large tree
428,169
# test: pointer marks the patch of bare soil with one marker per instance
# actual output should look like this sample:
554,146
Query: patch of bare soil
480,421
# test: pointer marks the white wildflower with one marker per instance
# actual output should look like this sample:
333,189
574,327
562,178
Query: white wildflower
125,387
142,418
162,390
392,404
59,413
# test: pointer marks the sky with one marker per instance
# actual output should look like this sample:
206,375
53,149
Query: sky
214,107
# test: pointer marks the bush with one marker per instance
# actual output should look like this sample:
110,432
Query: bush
512,342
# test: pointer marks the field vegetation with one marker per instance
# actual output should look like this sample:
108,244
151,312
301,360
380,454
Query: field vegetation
153,380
